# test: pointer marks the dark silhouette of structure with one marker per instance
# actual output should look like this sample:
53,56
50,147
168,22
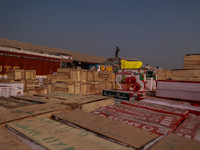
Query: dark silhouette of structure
117,51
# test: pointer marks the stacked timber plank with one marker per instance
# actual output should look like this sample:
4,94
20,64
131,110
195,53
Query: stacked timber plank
80,81
191,69
164,74
45,126
75,101
47,122
52,134
10,103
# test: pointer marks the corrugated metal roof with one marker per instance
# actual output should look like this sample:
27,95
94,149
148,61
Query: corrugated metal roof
37,48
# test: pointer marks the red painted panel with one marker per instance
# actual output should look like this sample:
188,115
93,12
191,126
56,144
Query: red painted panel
7,61
56,65
39,65
45,66
1,62
16,61
50,66
24,61
32,63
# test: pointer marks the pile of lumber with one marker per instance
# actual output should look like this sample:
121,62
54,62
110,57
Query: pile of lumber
191,69
28,78
80,81
52,121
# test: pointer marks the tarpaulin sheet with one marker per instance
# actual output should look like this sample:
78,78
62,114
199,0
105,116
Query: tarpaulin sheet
130,64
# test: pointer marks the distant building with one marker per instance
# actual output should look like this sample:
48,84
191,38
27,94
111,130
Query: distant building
45,60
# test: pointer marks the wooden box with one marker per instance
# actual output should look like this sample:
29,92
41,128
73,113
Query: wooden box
15,74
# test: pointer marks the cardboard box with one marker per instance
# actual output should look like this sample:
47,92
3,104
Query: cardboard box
190,128
180,90
135,123
171,103
145,115
16,89
131,80
4,91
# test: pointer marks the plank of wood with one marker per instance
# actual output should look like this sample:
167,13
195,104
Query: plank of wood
55,135
28,111
175,142
13,103
95,105
129,135
9,142
74,98
32,98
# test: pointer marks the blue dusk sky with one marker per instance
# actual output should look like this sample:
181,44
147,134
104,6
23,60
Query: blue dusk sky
157,32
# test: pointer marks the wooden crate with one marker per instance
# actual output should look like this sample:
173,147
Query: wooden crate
105,76
108,85
42,90
74,75
15,74
64,74
83,74
77,88
27,74
31,84
90,76
63,78
84,89
51,76
96,77
112,85
71,88
164,74
186,75
50,88
102,86
45,82
191,61
32,74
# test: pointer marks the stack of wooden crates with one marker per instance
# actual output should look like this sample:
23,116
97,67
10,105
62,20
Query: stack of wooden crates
28,77
191,69
164,74
80,81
